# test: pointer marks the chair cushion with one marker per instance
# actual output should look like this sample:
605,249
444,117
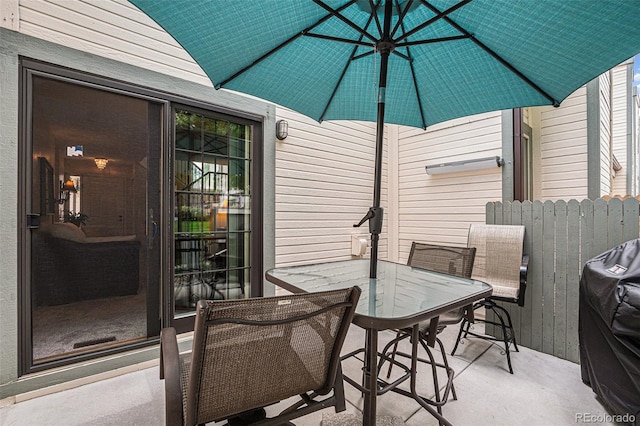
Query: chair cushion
504,292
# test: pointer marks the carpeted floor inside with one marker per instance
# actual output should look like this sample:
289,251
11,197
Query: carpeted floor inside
88,325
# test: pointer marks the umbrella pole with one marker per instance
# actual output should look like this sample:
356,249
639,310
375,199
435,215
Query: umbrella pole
384,46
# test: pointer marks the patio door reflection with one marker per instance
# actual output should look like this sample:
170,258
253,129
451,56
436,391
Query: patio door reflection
212,209
94,284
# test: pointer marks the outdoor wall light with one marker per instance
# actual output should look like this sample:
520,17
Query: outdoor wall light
465,165
65,189
101,163
282,129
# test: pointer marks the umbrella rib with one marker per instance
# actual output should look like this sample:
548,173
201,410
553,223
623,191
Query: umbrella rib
363,55
344,72
439,15
495,55
374,13
339,39
280,46
402,14
336,13
415,81
433,40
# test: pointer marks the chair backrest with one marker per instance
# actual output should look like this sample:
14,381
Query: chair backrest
498,257
456,261
254,352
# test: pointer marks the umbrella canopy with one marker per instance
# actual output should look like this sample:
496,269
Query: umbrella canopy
410,62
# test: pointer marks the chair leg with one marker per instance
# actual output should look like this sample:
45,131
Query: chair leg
462,326
434,372
508,333
446,366
393,354
505,336
512,336
338,391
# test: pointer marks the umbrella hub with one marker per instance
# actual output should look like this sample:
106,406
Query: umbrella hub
385,46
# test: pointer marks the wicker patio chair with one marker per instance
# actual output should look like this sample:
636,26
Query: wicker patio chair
457,261
501,263
251,353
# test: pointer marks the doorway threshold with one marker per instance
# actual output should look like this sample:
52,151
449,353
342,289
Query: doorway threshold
71,376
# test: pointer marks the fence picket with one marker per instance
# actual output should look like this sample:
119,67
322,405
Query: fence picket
560,290
600,227
587,231
615,222
526,314
490,213
631,211
534,276
548,276
574,269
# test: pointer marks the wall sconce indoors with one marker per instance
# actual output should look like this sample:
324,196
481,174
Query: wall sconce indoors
65,189
282,129
101,163
465,165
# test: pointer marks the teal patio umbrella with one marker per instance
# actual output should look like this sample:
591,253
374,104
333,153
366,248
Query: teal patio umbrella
410,62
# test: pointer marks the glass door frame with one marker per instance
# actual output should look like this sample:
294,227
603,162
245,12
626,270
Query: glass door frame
164,232
256,236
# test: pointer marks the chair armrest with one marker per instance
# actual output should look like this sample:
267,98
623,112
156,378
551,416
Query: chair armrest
524,268
170,372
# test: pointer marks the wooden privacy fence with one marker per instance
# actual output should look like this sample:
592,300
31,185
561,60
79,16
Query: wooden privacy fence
560,238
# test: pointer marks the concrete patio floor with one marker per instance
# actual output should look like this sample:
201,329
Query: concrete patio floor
544,390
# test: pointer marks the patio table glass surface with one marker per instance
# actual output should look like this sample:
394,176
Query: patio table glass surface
400,296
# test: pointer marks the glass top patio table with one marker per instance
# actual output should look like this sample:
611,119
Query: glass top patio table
400,296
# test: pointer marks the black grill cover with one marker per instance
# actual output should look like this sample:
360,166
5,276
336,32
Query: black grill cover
609,329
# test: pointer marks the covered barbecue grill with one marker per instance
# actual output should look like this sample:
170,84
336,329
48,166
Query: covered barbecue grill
609,330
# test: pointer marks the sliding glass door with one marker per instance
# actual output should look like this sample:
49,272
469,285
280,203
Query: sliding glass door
212,214
93,208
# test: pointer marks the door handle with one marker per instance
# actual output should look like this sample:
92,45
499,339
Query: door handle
154,231
33,221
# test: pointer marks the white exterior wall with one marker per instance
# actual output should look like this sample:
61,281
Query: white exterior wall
439,209
619,131
562,138
324,185
114,29
605,134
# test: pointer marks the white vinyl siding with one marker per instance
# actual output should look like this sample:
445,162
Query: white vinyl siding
113,29
324,185
438,209
563,149
619,132
605,134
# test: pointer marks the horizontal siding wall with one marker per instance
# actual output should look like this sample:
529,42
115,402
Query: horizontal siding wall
438,209
563,149
619,132
324,185
115,29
